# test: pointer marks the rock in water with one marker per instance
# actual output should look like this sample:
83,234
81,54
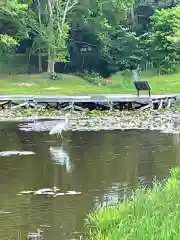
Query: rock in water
13,152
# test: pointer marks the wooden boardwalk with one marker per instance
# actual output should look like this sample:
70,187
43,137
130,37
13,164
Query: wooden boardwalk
93,101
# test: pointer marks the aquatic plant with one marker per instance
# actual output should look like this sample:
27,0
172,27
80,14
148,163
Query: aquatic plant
151,214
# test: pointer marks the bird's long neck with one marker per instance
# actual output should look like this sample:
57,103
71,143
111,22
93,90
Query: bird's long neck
66,120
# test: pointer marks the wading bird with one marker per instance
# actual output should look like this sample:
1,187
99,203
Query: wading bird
60,126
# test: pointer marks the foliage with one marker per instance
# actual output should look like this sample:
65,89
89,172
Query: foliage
46,21
7,40
15,13
95,24
117,33
121,49
8,46
163,39
18,15
151,214
53,31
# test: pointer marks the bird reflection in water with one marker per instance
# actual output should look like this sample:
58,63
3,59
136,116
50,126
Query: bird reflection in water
60,156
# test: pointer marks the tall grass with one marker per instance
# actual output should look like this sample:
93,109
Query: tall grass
150,215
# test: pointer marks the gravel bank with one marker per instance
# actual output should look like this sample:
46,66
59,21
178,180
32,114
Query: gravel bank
166,120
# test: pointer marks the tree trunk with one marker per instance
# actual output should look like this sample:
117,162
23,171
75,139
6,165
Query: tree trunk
40,26
50,25
51,64
133,17
49,61
52,68
39,62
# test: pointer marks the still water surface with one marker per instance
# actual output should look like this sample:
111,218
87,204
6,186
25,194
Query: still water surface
98,164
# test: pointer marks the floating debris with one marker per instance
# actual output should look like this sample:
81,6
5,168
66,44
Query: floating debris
45,226
3,212
13,152
50,192
73,193
59,194
26,192
43,191
35,236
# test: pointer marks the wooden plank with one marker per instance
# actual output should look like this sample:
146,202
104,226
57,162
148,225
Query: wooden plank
103,98
5,102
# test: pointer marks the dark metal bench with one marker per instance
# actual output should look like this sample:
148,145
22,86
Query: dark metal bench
142,86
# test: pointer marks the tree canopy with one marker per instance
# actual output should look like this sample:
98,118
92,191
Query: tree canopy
103,36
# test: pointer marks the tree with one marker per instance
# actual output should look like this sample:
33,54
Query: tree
92,24
121,50
17,15
52,30
8,47
46,21
162,39
13,28
106,34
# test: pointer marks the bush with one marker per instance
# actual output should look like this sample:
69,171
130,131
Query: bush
92,77
164,40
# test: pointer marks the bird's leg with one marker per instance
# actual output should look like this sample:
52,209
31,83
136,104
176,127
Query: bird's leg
57,134
63,137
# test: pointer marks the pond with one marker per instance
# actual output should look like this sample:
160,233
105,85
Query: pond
101,165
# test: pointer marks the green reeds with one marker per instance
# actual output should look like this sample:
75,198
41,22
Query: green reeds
152,214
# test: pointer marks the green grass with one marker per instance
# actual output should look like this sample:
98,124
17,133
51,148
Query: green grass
69,84
151,215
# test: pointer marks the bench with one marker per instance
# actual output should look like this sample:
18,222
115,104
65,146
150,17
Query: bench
142,85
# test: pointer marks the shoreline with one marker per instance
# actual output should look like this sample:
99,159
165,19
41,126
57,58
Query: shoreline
152,209
165,120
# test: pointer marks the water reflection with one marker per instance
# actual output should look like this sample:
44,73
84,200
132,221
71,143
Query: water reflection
176,138
60,156
38,126
102,165
114,193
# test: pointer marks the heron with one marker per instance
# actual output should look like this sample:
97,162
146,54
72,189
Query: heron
60,127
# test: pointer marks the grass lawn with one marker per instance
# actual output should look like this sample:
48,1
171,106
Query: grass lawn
69,84
151,215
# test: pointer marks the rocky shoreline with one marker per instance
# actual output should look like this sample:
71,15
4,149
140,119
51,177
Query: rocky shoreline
165,120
